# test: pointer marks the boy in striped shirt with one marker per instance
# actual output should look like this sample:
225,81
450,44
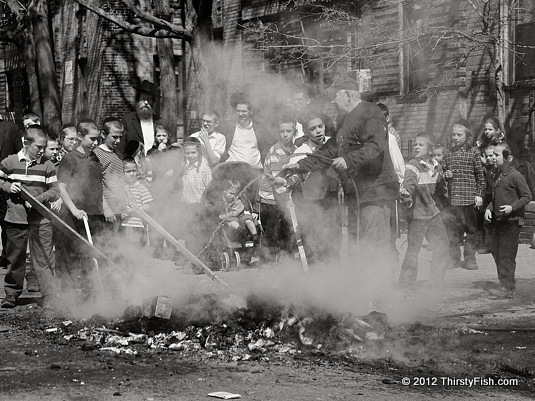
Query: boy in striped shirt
139,195
278,235
112,173
28,169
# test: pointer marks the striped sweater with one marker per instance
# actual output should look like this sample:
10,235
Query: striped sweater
113,184
37,176
276,158
140,195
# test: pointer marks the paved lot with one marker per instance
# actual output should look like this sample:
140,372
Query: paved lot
34,367
332,288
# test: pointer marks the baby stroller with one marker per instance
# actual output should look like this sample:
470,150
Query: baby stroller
228,248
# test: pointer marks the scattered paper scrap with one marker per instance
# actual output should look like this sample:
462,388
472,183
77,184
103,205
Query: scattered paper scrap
224,395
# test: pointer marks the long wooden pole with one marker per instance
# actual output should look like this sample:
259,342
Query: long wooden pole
181,248
66,229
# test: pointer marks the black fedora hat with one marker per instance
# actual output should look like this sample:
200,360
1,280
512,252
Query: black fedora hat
148,87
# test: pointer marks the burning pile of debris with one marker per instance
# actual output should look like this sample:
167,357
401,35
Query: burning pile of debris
206,325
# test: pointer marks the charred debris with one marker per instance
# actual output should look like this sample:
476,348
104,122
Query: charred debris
206,324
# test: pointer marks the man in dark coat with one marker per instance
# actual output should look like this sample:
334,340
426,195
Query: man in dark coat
10,143
360,155
139,124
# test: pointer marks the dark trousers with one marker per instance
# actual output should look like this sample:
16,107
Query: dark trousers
464,220
109,234
321,226
394,227
88,268
39,237
484,232
110,230
3,211
505,237
278,231
191,215
67,267
373,225
434,231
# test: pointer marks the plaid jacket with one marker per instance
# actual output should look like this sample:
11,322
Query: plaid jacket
196,178
468,179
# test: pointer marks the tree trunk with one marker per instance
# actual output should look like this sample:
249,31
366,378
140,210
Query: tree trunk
45,66
28,49
202,76
168,80
500,94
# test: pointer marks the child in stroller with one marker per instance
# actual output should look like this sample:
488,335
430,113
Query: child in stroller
237,212
228,202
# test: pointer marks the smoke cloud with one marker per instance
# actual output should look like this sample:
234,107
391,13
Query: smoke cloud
365,284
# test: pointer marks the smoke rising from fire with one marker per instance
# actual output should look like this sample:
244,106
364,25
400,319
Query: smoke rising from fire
363,285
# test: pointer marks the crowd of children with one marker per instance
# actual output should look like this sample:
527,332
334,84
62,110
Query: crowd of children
80,175
93,189
480,182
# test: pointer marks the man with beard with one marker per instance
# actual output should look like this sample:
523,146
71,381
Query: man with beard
139,125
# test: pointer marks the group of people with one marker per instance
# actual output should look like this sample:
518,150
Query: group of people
448,189
343,180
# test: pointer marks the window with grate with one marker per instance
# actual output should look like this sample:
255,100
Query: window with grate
415,51
525,51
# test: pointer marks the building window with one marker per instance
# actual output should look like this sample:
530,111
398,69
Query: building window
415,53
525,51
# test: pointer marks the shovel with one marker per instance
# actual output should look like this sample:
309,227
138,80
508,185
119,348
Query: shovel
68,230
344,257
297,233
284,200
95,262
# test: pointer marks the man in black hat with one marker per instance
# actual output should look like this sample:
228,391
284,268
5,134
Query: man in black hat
360,155
139,124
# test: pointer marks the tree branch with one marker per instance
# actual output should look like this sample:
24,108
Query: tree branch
162,29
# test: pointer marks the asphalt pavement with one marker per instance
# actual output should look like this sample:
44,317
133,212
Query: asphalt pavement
464,292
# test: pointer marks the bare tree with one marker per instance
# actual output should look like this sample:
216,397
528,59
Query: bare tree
196,32
167,69
433,46
29,30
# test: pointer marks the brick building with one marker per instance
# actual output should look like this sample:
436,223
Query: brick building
426,84
96,63
432,64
